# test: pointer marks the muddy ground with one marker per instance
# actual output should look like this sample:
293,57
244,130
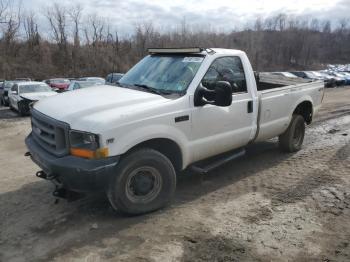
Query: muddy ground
267,206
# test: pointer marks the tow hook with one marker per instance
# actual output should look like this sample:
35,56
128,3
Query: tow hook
41,174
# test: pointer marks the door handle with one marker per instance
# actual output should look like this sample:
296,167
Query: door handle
250,107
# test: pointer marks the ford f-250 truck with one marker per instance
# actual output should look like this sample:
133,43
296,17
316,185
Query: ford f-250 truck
174,110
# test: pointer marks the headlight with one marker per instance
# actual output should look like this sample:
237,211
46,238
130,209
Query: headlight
83,144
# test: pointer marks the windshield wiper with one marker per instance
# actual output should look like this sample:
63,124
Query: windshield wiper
153,90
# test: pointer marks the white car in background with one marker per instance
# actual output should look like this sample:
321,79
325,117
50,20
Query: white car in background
93,79
74,85
285,74
22,94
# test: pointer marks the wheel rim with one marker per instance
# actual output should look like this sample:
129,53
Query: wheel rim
143,184
298,134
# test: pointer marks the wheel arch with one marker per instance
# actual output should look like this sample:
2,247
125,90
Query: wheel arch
305,109
166,146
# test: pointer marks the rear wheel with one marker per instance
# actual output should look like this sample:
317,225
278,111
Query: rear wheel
145,181
292,139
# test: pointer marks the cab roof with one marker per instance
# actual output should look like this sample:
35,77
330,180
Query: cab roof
29,83
193,50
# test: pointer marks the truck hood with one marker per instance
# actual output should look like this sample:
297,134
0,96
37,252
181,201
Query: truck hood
35,96
86,108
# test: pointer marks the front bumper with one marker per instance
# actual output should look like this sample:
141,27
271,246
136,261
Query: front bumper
73,173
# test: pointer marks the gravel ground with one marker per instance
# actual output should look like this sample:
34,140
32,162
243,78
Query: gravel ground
267,206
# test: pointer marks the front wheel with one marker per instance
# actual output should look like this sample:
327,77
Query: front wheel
23,109
4,103
292,139
145,181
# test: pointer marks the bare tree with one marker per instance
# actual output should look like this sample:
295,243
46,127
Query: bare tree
75,14
57,17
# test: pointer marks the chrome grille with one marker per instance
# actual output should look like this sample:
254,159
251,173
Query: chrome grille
50,134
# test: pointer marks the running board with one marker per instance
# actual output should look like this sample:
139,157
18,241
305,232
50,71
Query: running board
211,165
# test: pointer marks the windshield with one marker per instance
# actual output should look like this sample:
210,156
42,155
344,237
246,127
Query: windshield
287,74
60,81
310,75
172,73
87,84
95,79
8,84
32,88
317,74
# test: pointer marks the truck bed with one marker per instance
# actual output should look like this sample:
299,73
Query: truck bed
277,102
267,81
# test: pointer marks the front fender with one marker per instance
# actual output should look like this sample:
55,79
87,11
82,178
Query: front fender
139,135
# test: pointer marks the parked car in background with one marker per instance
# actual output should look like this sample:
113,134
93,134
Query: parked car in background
328,79
306,75
285,74
58,84
22,94
4,90
113,78
299,74
23,79
74,85
93,79
340,80
344,75
1,92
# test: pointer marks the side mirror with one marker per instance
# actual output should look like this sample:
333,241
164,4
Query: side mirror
220,96
223,94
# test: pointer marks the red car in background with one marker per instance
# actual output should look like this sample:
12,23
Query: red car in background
58,84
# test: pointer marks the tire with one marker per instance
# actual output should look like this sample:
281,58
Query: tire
21,109
145,181
292,139
4,103
11,107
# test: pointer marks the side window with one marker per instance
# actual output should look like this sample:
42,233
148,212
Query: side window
76,86
14,88
228,69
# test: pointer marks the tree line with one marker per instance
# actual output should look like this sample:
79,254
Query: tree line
79,44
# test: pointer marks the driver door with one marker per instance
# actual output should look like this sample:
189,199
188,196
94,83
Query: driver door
219,129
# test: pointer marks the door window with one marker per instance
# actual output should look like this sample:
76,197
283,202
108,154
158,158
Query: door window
14,88
228,69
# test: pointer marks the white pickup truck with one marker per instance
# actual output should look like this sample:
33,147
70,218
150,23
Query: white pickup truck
174,110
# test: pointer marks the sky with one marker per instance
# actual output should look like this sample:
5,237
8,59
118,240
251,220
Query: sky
223,15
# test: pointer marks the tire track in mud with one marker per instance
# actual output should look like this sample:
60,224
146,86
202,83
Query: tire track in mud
312,178
317,178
